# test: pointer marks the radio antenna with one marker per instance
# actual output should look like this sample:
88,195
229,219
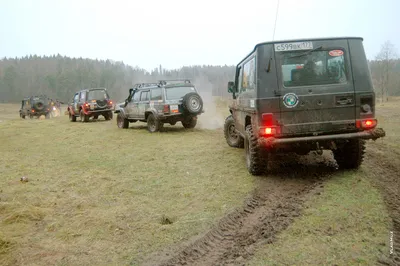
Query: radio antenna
276,18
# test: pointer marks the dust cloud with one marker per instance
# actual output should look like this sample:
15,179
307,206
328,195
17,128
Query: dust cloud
212,118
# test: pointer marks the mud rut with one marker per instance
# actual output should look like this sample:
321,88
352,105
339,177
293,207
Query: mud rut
271,208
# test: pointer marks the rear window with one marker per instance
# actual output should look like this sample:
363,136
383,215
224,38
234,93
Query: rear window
316,68
176,93
97,95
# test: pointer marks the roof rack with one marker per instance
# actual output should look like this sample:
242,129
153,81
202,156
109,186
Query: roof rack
142,85
165,82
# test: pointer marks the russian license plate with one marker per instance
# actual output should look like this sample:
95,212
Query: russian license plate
92,106
174,108
293,46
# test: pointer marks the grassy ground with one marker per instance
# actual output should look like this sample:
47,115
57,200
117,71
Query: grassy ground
348,223
99,195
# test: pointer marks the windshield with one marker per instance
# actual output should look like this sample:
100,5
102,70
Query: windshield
97,95
315,68
176,93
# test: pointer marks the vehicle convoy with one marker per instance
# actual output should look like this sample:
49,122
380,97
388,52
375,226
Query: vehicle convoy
301,96
35,106
90,103
169,101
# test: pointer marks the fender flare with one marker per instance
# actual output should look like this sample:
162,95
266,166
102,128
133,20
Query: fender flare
153,111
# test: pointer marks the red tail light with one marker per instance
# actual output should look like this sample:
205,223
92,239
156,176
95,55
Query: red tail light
366,123
268,125
268,119
32,110
166,108
86,104
110,102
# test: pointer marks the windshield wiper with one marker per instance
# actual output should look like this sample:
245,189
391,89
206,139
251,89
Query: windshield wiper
306,53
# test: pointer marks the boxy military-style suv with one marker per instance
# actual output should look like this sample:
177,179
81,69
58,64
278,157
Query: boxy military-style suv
158,103
35,106
90,103
303,95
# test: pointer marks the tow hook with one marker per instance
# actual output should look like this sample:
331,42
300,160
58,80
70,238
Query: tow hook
319,151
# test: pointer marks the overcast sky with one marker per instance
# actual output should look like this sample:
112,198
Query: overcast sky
175,33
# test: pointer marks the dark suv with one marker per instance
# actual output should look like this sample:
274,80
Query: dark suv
90,103
163,102
35,106
303,95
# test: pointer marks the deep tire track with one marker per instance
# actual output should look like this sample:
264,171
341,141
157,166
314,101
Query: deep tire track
385,169
276,202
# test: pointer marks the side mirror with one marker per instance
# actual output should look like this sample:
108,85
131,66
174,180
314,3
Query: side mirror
231,87
130,91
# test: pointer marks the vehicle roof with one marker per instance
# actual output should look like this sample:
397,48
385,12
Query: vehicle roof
297,40
91,89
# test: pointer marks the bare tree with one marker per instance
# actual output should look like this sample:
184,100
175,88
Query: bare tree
386,59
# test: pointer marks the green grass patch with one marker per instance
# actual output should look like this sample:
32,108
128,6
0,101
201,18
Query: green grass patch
345,225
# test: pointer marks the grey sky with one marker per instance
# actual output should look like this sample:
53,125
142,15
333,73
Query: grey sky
174,33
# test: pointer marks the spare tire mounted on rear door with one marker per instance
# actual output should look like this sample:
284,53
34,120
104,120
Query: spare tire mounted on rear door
193,103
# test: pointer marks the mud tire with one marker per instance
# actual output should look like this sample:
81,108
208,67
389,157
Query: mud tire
153,124
72,118
351,154
232,138
189,123
84,118
256,157
122,122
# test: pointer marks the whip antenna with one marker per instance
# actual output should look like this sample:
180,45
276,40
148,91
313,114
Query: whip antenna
276,18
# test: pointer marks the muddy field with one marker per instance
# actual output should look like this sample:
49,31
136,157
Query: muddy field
305,211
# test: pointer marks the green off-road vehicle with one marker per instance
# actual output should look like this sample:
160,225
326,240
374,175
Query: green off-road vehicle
301,96
158,103
35,106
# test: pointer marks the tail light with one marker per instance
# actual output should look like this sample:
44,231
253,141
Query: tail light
110,103
166,108
32,110
269,125
86,104
366,123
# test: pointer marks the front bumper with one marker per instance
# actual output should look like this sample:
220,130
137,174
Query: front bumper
366,134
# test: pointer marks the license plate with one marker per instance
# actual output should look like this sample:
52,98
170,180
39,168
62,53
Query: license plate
92,106
293,46
174,108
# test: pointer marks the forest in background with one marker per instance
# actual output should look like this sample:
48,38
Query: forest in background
59,77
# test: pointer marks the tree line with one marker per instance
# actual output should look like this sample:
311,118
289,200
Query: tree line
59,77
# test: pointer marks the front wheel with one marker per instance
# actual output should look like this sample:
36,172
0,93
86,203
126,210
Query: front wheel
232,137
256,157
153,124
122,122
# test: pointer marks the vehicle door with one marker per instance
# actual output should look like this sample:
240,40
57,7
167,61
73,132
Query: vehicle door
132,106
75,104
316,87
144,104
156,99
82,99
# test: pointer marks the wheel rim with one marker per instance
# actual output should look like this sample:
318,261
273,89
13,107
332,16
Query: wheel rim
194,103
232,133
152,124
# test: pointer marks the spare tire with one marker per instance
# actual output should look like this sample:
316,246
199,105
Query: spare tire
39,105
193,103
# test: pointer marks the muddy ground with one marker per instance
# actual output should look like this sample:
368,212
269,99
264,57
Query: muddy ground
277,201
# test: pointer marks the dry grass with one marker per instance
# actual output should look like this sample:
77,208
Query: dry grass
99,195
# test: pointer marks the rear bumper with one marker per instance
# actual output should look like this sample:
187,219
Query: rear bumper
366,134
89,112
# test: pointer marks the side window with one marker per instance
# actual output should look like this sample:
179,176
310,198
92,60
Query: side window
156,94
83,96
240,81
144,96
249,75
76,98
136,97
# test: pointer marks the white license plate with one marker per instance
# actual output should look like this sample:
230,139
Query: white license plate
293,46
174,108
92,106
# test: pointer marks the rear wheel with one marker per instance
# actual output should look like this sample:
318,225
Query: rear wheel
84,118
232,137
256,157
153,124
351,154
72,118
122,122
189,122
107,116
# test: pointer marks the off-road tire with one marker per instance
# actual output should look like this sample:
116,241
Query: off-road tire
192,103
122,122
256,157
84,118
189,123
47,116
232,138
31,116
95,117
108,116
22,116
351,154
72,118
153,124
